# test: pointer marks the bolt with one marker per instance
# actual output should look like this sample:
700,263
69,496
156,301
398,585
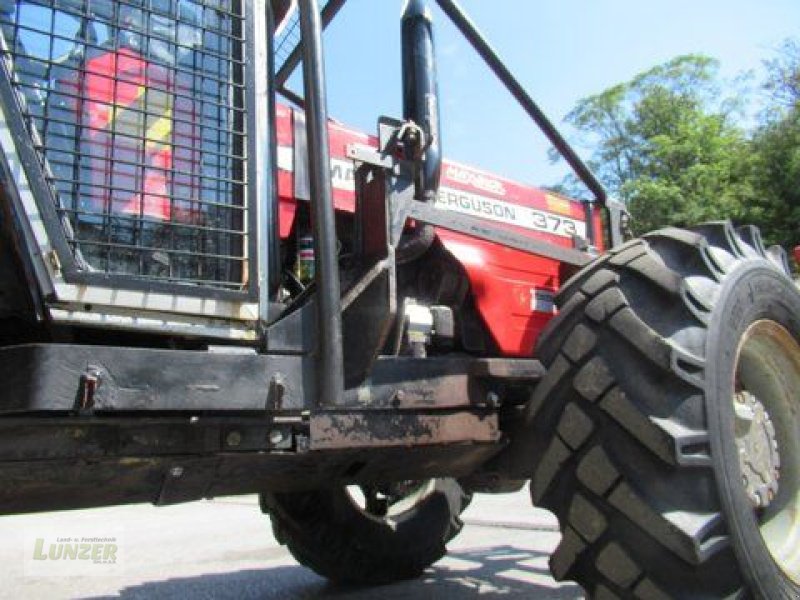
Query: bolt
176,472
302,443
234,438
90,381
398,398
492,399
275,437
276,392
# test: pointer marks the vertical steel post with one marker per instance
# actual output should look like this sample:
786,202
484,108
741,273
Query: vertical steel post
259,165
329,315
273,232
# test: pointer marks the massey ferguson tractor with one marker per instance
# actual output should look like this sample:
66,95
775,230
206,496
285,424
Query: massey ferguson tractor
207,287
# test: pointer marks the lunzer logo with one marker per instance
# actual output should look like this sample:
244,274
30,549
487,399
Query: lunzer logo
96,550
73,553
477,180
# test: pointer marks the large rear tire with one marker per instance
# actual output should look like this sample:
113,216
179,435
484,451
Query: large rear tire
665,435
365,537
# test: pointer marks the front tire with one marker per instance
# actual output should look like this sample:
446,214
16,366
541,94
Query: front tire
638,446
369,538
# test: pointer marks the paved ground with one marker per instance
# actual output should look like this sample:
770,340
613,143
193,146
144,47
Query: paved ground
224,549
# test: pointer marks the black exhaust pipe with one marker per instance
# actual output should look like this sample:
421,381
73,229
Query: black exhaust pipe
421,91
420,105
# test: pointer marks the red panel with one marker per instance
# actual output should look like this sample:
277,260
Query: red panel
599,231
287,205
341,167
510,289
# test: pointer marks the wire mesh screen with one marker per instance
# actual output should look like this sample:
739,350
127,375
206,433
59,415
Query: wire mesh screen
287,34
137,108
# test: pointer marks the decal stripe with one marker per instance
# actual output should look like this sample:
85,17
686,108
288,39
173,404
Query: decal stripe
506,212
451,199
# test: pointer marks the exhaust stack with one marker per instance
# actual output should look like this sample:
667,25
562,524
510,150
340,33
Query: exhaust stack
421,95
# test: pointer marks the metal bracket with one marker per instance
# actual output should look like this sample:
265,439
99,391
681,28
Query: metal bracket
370,156
618,223
90,381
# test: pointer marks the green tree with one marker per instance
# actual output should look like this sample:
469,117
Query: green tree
666,144
783,75
775,148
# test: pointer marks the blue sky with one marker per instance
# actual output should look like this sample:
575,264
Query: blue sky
561,50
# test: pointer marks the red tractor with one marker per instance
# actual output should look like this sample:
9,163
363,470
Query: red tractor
206,291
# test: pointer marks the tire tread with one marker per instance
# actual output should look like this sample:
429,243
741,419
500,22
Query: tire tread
617,474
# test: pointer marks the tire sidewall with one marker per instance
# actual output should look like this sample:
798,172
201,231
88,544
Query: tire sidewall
329,532
754,290
430,517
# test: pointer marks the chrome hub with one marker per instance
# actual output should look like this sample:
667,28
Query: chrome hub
766,404
757,444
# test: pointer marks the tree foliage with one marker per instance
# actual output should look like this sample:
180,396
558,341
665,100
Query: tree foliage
669,143
665,144
775,148
783,81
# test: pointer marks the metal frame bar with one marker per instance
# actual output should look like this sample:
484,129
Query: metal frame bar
51,378
190,461
468,29
479,228
330,11
273,241
260,163
487,53
328,294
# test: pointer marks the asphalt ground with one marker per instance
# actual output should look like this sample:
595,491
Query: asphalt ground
224,548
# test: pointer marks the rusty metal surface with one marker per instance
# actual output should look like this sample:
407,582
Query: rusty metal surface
406,383
360,430
64,377
67,377
508,368
37,485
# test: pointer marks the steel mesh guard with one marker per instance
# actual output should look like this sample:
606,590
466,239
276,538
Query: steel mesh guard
287,34
137,110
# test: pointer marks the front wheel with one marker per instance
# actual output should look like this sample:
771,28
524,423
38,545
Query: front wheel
369,534
666,433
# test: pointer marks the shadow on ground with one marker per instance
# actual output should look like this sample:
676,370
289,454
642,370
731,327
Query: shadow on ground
497,572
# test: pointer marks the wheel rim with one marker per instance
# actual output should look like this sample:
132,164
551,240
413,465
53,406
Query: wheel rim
390,501
767,431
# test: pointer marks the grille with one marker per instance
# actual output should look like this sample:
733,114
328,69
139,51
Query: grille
287,35
137,111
